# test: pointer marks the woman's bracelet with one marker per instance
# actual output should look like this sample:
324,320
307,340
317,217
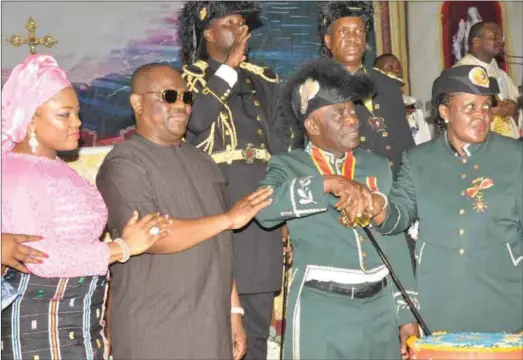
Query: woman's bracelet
126,253
237,310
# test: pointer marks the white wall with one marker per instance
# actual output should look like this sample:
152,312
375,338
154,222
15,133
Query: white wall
426,51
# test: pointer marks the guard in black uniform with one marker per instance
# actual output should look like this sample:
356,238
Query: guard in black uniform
342,28
233,120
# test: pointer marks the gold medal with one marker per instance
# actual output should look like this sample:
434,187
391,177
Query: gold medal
377,123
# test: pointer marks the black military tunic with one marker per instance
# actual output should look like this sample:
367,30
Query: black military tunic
236,119
385,130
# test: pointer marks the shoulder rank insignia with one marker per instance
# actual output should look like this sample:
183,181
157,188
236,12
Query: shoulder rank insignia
265,73
392,76
194,75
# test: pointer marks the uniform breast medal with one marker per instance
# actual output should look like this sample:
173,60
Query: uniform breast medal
476,194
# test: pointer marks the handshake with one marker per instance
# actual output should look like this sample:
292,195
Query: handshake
357,204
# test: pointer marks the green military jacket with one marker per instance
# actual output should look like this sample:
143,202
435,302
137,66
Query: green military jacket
317,235
470,247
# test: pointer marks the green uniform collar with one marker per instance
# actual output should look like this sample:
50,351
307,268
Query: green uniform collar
469,149
333,160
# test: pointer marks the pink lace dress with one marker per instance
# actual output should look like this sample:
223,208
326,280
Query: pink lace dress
59,312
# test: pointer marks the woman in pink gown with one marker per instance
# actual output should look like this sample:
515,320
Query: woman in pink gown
60,307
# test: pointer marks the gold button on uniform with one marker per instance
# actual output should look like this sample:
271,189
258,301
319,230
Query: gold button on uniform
463,161
256,103
391,164
258,117
463,176
364,254
476,166
461,251
461,211
387,147
262,146
461,232
363,139
385,134
259,132
361,238
248,81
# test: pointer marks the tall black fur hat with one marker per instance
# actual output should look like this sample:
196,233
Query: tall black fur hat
195,16
330,11
319,83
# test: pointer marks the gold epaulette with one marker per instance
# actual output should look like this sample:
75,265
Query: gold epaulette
392,76
265,73
194,74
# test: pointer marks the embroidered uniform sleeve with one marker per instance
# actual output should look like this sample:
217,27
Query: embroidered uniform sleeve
209,101
292,197
402,202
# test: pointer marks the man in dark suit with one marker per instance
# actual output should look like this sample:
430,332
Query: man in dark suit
233,120
343,28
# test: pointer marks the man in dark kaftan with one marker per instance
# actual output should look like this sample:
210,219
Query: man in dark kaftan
176,301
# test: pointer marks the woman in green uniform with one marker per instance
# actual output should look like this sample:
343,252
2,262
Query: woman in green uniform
466,188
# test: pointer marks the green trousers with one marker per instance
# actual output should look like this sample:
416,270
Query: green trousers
323,325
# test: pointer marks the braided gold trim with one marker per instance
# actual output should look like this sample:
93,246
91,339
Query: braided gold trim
193,79
225,122
258,70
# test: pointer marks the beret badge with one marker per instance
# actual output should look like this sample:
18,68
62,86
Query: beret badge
478,76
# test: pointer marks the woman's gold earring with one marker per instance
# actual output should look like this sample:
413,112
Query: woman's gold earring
33,141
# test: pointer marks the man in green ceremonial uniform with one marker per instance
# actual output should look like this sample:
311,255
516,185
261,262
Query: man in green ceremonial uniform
342,304
466,188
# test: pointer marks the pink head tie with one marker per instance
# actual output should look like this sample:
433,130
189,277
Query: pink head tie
29,86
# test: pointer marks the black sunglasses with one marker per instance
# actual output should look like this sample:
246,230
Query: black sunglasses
171,96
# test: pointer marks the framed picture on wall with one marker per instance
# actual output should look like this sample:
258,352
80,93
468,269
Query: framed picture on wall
457,17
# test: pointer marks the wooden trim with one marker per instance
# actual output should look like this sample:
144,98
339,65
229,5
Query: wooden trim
385,26
505,27
378,32
398,36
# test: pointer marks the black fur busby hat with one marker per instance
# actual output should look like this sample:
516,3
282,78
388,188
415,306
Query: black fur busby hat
319,83
195,16
315,84
330,11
